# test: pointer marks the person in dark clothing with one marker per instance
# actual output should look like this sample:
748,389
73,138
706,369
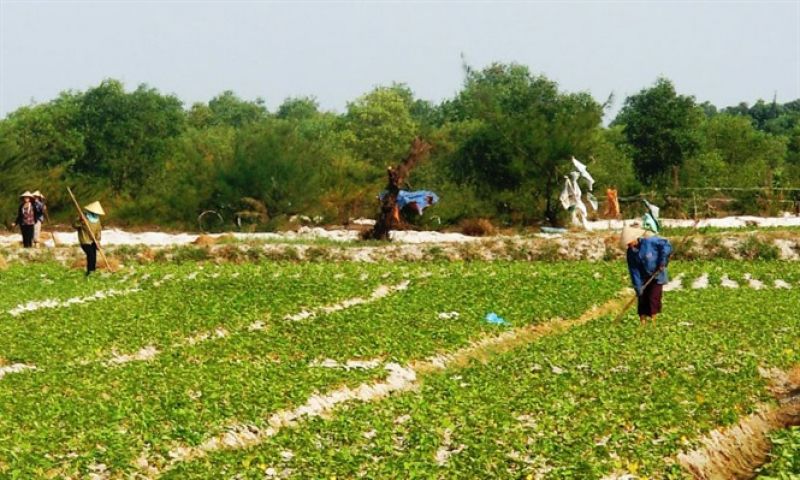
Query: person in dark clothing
87,234
26,219
40,208
648,257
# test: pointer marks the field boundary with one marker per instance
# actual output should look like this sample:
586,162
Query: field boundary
699,245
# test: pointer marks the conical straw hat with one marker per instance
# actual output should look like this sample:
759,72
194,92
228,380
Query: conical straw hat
37,193
26,194
95,208
629,234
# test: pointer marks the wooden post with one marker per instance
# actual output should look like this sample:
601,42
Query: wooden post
89,229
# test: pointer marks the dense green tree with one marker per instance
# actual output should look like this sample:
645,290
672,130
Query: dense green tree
48,135
611,164
770,117
379,125
298,108
191,179
501,146
751,156
661,127
276,165
38,146
199,115
525,134
779,120
228,109
126,135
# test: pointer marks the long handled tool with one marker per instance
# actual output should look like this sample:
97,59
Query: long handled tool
89,229
652,277
635,297
53,233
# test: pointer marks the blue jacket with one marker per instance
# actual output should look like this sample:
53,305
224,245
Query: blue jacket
38,208
646,258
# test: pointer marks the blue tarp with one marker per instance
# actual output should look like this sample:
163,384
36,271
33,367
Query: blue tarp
421,199
494,319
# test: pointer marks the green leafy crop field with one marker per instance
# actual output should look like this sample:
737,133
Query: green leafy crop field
345,370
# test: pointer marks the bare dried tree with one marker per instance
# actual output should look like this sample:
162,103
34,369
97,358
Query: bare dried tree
389,217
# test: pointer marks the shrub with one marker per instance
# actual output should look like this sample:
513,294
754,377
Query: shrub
717,249
754,248
477,227
187,254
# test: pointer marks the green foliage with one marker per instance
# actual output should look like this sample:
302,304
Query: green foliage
190,180
598,399
749,155
501,147
784,459
47,135
298,108
524,132
379,126
661,127
229,109
611,164
755,248
126,135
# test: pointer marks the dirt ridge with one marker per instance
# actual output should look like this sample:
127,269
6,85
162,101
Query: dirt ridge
736,452
592,247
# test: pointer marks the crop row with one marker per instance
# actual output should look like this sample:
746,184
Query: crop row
170,305
20,284
601,399
86,413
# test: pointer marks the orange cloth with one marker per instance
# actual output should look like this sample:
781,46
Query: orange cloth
396,214
612,203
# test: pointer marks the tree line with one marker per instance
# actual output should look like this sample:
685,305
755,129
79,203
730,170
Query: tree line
501,146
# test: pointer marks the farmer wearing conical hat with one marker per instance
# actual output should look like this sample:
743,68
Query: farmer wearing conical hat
40,208
26,219
648,256
92,212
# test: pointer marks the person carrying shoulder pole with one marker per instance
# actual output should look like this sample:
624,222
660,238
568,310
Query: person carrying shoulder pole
648,257
89,231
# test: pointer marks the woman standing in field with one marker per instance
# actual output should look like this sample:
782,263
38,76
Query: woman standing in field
26,219
647,257
40,208
89,232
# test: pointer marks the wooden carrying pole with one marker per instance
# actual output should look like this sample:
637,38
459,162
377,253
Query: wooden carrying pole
53,233
89,229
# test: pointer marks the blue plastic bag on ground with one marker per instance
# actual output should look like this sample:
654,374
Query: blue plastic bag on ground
494,319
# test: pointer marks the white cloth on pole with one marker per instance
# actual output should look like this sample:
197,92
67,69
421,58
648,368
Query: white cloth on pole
583,172
592,200
564,197
571,200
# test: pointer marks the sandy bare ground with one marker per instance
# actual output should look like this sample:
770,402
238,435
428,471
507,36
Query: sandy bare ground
162,239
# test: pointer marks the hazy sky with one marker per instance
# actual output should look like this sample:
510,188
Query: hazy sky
724,52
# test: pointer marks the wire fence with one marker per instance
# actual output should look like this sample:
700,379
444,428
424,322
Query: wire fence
709,202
